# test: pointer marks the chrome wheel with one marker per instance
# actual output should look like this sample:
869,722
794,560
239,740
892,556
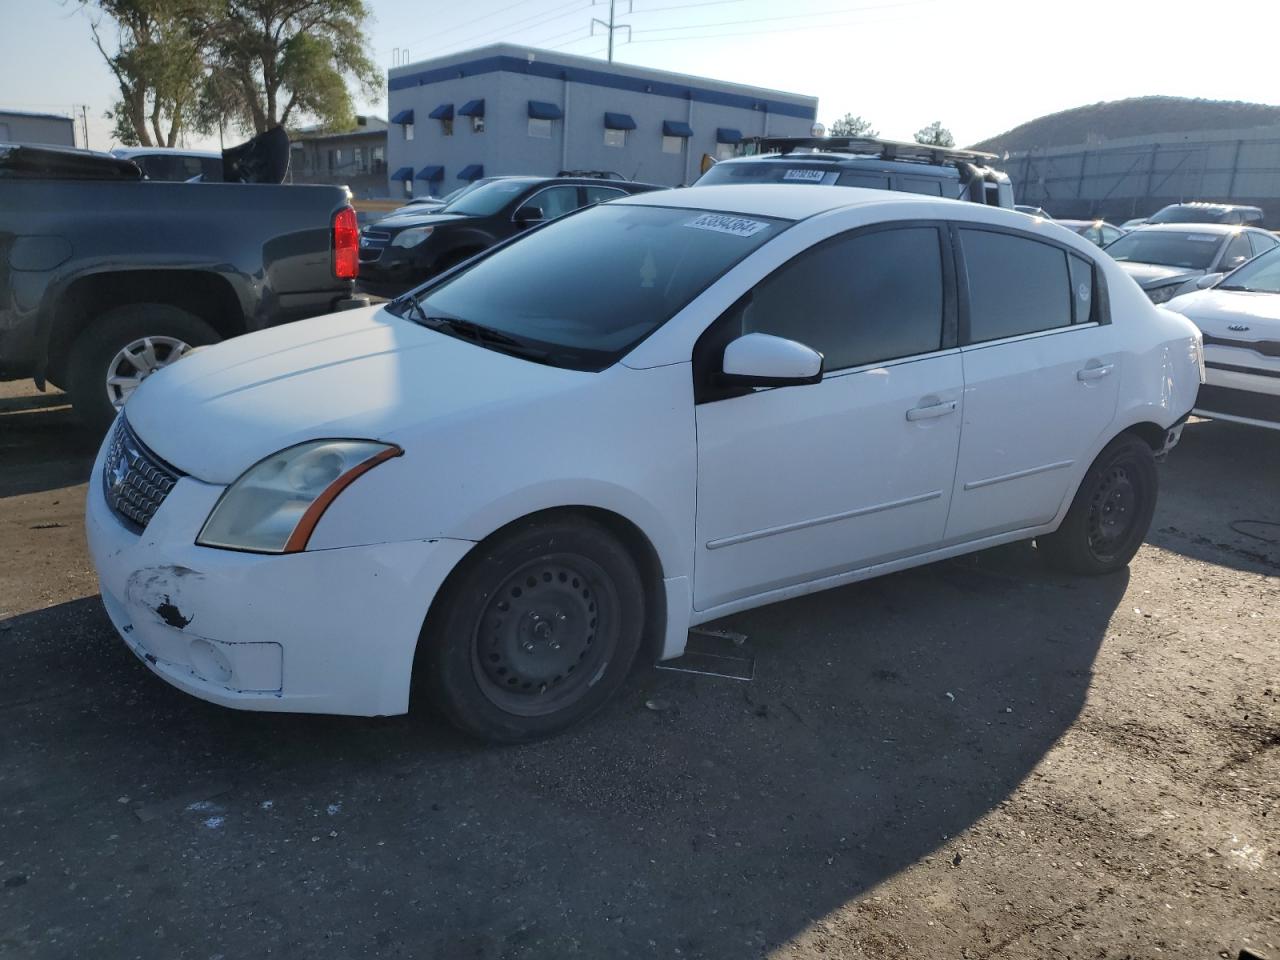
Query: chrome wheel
137,361
545,635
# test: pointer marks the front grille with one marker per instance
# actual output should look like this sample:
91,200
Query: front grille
134,479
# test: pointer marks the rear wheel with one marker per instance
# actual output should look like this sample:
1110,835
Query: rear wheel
536,631
1111,512
124,346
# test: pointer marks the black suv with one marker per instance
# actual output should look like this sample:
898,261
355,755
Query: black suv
401,251
867,162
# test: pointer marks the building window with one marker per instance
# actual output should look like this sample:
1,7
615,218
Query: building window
615,138
541,129
333,161
446,126
477,124
725,151
672,144
408,188
379,160
361,166
408,131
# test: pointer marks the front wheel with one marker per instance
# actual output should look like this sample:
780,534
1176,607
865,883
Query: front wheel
1111,512
535,631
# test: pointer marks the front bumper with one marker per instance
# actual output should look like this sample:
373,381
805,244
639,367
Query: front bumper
324,631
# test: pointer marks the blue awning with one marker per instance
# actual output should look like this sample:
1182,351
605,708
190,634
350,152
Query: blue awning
404,116
404,173
472,108
676,128
728,135
442,112
430,173
544,111
472,171
619,121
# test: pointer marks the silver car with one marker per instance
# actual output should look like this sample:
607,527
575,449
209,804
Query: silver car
1169,258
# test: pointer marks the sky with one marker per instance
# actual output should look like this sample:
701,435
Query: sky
979,68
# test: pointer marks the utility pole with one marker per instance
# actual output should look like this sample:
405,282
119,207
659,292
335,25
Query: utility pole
612,25
84,118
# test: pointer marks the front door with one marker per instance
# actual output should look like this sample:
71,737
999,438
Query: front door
796,484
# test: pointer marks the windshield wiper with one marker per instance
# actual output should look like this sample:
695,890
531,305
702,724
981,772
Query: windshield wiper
1235,286
469,330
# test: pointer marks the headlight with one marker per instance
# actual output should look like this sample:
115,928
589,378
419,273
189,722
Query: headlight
412,237
1163,294
277,502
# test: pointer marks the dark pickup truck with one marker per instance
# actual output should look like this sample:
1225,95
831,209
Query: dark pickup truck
105,277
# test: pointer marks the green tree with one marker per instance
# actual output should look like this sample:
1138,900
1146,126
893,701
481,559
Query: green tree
276,61
155,49
935,135
851,126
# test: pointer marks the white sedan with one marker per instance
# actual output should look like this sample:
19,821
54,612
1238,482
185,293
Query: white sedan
1240,319
561,455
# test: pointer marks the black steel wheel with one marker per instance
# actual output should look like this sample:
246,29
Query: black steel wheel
536,630
1111,512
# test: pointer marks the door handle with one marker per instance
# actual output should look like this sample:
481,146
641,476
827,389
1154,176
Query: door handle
1094,373
931,411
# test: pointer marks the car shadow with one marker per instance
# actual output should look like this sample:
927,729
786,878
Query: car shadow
42,445
696,816
1235,469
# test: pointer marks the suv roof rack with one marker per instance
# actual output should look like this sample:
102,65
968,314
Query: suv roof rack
873,146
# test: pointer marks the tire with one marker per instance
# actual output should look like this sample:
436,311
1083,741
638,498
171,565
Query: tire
1111,512
534,632
97,353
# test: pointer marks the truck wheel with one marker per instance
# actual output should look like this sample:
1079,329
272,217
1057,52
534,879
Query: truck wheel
121,348
535,631
1111,512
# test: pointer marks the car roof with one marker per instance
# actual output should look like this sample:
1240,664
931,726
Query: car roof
1221,228
784,201
130,152
1213,205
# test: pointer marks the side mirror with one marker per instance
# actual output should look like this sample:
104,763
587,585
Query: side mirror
1208,280
529,215
763,360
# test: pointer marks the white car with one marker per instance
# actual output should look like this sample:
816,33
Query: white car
1240,320
640,417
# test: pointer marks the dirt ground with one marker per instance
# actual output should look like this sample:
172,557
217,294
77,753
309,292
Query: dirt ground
980,758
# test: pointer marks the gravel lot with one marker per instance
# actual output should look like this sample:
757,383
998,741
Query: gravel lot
980,758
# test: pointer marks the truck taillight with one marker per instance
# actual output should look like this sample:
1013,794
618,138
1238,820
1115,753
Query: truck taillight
346,245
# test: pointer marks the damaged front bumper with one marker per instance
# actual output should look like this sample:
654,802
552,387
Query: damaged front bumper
324,631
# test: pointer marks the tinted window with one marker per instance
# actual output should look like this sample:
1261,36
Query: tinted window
1261,243
1016,285
873,181
1185,213
603,194
1082,288
770,172
591,286
1237,252
932,188
487,199
555,201
1109,234
1262,274
857,299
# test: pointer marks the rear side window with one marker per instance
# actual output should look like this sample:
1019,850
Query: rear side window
1260,243
1238,251
925,185
873,181
1016,285
857,299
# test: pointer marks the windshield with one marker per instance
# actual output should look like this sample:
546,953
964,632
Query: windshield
587,288
1187,214
488,198
754,172
1167,248
1259,275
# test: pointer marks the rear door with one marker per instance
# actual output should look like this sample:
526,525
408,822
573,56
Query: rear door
1041,371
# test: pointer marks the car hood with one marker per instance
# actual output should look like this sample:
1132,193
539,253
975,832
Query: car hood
404,221
1215,311
1151,275
359,374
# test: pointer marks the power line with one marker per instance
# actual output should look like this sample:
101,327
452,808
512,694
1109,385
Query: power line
757,33
472,23
687,6
523,23
793,16
612,26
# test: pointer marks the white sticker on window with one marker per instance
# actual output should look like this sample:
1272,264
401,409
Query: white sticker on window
726,223
808,176
1204,238
1084,292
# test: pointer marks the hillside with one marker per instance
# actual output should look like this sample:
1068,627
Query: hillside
1131,118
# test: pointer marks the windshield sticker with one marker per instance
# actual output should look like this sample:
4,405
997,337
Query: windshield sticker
1204,238
1083,292
725,223
808,176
